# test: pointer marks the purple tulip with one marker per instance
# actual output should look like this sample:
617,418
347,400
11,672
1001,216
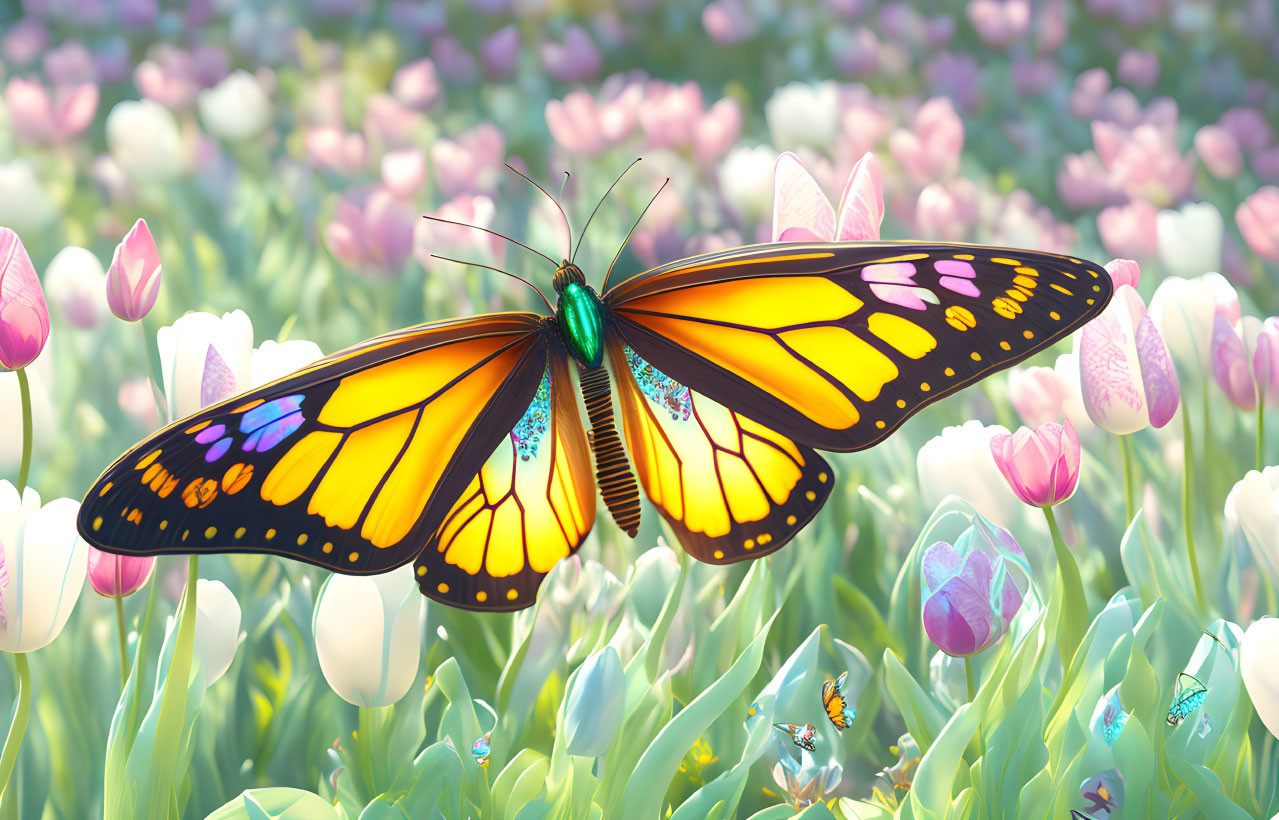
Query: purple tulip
118,576
972,590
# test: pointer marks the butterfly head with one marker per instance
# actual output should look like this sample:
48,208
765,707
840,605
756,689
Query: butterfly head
580,315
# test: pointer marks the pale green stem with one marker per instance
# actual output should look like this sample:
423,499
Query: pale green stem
1188,505
1261,429
25,465
1074,617
1130,502
968,675
157,389
19,726
124,641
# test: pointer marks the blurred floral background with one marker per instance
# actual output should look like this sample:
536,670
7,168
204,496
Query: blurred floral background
201,196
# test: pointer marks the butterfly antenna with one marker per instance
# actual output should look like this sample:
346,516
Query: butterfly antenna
499,270
564,183
601,202
604,287
491,233
563,215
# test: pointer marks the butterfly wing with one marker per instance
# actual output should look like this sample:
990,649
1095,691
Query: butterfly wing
834,702
834,345
531,504
1187,696
729,487
349,464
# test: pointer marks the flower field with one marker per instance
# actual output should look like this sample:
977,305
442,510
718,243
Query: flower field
1049,595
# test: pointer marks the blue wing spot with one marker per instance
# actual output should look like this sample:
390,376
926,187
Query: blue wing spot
218,450
270,423
265,438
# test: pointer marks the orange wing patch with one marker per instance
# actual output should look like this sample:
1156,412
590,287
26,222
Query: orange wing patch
530,505
729,487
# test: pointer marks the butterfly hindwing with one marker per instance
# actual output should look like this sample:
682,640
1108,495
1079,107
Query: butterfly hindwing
348,464
531,504
837,709
834,345
729,487
1187,695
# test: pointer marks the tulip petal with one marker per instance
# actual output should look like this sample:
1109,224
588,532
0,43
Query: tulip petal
24,317
798,202
861,208
1163,392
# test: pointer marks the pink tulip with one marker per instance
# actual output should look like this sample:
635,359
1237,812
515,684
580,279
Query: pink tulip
70,64
999,24
37,117
500,51
330,148
930,149
118,576
458,241
1087,94
1041,465
1249,128
1145,161
133,280
1265,361
946,212
373,237
582,125
1219,151
1037,394
1139,68
1230,363
728,22
802,213
576,60
24,317
388,124
669,113
1083,182
717,130
1130,230
471,163
1124,272
1126,373
404,171
1258,220
24,41
972,590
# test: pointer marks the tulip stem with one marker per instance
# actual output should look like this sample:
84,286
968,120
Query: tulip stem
25,465
124,641
1261,429
1074,617
18,728
157,390
1130,505
1188,504
968,675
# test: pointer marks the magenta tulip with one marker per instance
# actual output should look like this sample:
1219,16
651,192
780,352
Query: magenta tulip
133,280
973,589
24,317
1041,465
118,576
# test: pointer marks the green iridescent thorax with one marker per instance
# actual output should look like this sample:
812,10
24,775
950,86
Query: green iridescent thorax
581,319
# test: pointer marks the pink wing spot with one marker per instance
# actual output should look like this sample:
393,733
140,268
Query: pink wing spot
893,282
961,286
955,267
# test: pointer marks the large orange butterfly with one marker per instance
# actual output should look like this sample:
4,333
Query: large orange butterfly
458,445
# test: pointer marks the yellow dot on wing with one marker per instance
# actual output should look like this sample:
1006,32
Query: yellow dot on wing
195,428
1024,271
880,424
749,544
1055,314
481,596
210,532
164,525
976,356
1060,289
443,588
810,495
97,523
239,532
353,557
1001,260
924,386
421,571
822,477
146,460
249,406
790,520
1092,301
950,371
719,554
328,547
104,489
512,594
302,539
1005,346
967,257
185,533
901,403
1029,334
270,534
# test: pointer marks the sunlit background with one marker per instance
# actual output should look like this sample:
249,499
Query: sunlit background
282,155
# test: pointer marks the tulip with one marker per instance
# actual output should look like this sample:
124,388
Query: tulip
217,628
118,576
746,181
416,84
808,782
368,635
957,462
1231,359
374,237
576,60
389,124
236,109
1248,126
471,163
728,22
500,51
1265,361
1259,672
74,283
1145,161
1185,311
275,360
133,280
24,41
583,125
999,24
1036,394
458,241
1083,182
37,116
1138,68
595,704
25,206
656,572
1219,151
972,590
801,212
930,150
803,115
331,148
1251,518
204,359
1258,220
1130,230
453,60
24,317
1190,239
1041,465
144,139
717,130
946,211
404,171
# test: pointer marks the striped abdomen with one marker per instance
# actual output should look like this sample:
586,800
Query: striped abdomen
612,470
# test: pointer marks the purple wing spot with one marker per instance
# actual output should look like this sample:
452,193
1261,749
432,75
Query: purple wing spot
274,433
955,267
217,450
209,434
264,414
962,286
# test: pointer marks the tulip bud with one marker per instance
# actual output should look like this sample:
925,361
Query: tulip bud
133,280
24,317
1041,465
1259,671
593,709
118,576
217,628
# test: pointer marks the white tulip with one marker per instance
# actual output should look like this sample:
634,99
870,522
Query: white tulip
144,139
958,462
75,282
1184,311
746,181
205,359
274,360
1190,239
803,114
1250,516
25,207
217,628
368,635
236,108
43,568
1260,672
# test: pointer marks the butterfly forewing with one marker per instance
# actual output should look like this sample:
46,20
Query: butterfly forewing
348,464
729,487
531,504
834,345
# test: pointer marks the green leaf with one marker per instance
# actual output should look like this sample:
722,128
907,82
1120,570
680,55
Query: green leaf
924,717
522,780
436,774
276,804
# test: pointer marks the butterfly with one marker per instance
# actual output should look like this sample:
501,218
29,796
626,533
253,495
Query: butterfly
1187,696
802,736
837,709
457,445
1111,717
752,710
480,750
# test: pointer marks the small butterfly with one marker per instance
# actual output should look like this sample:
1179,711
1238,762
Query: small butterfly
837,709
1110,716
1187,696
801,735
480,749
457,444
752,710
